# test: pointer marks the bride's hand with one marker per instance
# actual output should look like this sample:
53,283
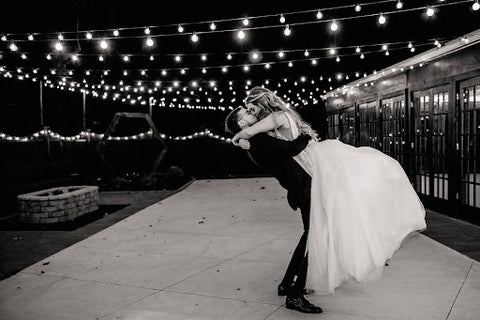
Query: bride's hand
244,144
235,140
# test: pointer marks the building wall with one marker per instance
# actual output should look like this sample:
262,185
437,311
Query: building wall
427,118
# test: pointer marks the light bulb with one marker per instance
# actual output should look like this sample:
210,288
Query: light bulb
30,37
126,58
306,53
103,44
319,14
357,50
147,30
149,42
194,37
399,4
178,58
13,47
381,19
287,31
204,57
60,36
281,54
229,56
332,51
245,22
100,58
334,26
180,28
241,34
358,8
282,19
58,46
476,5
430,11
213,26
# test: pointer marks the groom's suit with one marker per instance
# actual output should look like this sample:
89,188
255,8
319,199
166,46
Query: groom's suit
276,157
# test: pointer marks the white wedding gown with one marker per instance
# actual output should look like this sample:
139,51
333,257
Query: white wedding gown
362,207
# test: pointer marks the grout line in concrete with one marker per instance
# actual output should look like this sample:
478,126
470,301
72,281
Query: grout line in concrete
459,290
225,298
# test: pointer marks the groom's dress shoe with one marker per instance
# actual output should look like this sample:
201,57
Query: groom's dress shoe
282,290
301,304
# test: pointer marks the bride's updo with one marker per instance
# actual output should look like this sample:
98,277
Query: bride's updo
269,102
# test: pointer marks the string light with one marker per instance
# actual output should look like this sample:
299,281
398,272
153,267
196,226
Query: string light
358,8
319,14
241,34
30,37
100,58
13,47
152,58
399,4
149,42
4,38
306,53
24,56
60,37
282,18
147,30
204,57
177,58
116,33
103,44
357,49
194,37
430,11
58,46
281,54
180,28
334,26
49,57
476,5
287,31
126,58
229,56
381,19
245,22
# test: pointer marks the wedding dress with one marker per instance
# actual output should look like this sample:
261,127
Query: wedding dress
362,207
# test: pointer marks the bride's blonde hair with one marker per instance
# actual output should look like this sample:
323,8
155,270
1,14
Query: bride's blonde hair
269,102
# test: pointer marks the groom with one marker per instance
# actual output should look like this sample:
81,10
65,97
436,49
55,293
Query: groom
276,157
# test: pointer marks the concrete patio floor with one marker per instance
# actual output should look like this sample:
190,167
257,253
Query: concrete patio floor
217,250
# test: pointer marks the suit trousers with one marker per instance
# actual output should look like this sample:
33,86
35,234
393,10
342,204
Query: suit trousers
299,262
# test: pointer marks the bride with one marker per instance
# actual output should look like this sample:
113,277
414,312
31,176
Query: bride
362,203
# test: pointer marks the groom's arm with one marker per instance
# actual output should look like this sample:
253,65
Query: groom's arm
264,143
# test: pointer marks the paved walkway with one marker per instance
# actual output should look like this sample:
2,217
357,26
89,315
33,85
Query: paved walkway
217,251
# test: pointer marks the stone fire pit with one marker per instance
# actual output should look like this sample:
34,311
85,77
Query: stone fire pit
57,204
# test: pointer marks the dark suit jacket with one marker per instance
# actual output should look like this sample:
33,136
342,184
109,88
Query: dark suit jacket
276,157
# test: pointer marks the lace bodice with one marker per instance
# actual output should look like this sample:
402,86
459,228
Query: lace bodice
304,158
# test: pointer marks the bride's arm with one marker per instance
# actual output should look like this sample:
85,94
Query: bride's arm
269,123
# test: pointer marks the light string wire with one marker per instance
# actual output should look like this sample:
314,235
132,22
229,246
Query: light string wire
245,28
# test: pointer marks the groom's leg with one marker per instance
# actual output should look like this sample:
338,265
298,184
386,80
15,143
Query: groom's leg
295,261
295,267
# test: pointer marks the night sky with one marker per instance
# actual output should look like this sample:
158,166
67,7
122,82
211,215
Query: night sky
63,109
